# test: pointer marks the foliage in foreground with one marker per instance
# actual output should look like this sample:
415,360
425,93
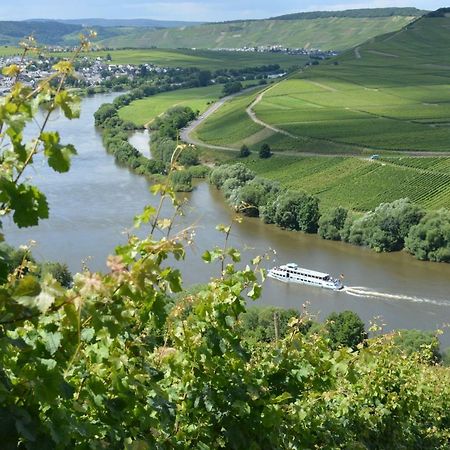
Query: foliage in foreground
113,362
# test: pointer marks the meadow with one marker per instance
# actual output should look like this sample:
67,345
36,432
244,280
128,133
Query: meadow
389,94
7,50
230,125
203,59
143,111
361,184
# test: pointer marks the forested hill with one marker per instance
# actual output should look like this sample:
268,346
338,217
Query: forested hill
46,32
338,31
355,13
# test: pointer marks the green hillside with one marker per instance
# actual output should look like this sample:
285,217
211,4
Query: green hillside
145,110
205,59
45,32
388,95
337,33
361,184
391,93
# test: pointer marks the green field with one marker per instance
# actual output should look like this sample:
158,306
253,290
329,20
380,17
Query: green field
230,125
204,59
147,109
6,50
360,184
337,33
390,94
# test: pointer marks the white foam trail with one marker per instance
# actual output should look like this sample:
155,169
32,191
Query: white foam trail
363,292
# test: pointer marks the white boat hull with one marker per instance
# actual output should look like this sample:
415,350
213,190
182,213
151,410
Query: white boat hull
297,279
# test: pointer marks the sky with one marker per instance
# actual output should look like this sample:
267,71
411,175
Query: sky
188,10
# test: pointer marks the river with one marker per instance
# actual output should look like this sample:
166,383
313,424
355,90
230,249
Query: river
93,205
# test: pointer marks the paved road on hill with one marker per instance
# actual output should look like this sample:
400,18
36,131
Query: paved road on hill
186,132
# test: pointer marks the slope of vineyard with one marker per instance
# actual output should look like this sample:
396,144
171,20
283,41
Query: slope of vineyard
361,184
389,94
328,33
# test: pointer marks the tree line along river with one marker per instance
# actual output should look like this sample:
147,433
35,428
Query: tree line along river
93,205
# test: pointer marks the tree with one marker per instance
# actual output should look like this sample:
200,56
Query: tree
385,228
256,194
59,271
416,341
244,152
265,151
181,181
332,222
222,173
296,211
430,238
345,329
232,87
204,78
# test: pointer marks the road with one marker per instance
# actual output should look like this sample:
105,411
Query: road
186,132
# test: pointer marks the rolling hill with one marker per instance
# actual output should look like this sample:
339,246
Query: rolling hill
390,96
391,93
327,31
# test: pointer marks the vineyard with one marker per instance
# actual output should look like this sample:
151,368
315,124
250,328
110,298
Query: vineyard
230,124
389,94
361,184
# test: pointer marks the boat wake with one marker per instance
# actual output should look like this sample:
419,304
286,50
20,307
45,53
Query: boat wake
363,292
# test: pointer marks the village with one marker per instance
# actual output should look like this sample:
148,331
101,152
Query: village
89,72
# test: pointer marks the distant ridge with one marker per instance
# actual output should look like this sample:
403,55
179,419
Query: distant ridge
336,30
145,23
354,13
326,30
45,31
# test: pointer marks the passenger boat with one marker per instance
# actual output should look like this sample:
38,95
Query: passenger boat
292,273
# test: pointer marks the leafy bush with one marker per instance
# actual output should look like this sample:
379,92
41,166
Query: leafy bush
417,341
265,151
181,181
331,223
255,194
244,151
222,173
297,211
345,329
386,228
430,238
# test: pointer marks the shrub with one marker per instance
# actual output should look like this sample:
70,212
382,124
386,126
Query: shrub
265,151
332,223
244,152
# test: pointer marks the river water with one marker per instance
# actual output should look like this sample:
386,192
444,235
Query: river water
92,208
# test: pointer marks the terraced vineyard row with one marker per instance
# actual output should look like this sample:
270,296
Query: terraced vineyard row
440,164
357,183
360,99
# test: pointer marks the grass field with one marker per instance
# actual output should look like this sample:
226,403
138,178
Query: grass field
390,94
360,184
147,109
324,33
230,125
7,50
204,59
